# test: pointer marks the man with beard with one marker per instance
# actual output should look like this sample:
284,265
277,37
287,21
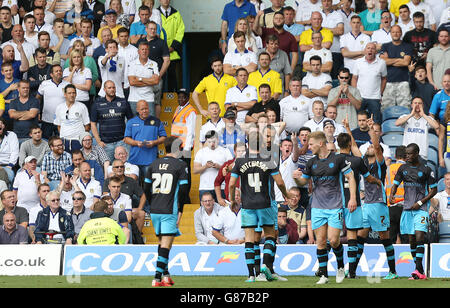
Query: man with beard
55,161
287,41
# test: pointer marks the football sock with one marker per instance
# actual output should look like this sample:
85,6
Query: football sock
269,253
352,252
250,258
390,254
166,270
322,257
161,263
257,252
339,253
420,250
361,242
413,247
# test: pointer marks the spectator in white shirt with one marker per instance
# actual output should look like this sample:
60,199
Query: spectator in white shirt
416,126
404,19
419,6
383,35
353,43
88,185
26,183
112,67
440,201
208,161
131,170
239,57
214,123
9,150
318,50
204,218
316,85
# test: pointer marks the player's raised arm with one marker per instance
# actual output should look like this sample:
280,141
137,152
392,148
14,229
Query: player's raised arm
375,140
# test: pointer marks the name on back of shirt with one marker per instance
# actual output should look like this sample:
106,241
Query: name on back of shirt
163,166
253,164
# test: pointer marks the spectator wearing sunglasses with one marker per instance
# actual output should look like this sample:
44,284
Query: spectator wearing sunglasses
80,214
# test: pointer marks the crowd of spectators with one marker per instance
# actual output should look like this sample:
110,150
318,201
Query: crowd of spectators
80,102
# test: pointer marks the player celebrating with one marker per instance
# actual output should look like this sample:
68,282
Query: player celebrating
165,187
257,196
326,170
354,220
375,209
417,180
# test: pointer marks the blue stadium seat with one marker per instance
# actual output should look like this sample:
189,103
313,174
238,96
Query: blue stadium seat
444,232
389,127
441,185
433,156
394,112
433,141
393,140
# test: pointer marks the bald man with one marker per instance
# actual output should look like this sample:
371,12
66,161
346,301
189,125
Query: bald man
20,44
19,66
397,55
12,233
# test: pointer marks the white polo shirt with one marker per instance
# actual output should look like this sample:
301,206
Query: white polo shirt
416,131
91,189
235,58
129,53
438,8
26,187
219,155
295,112
90,49
380,36
146,70
353,43
332,20
229,223
369,77
209,126
80,77
287,168
347,19
317,82
71,120
33,213
53,95
314,125
53,224
406,27
444,204
122,203
445,16
324,54
425,9
236,95
305,9
129,6
116,76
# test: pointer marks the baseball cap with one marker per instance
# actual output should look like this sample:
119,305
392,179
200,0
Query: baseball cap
229,114
183,90
328,122
110,11
29,158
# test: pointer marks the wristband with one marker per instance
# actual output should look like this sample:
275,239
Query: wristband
419,202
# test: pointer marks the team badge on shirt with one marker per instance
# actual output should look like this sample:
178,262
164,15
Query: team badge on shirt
402,54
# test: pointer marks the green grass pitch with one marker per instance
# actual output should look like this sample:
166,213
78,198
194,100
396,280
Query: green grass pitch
210,282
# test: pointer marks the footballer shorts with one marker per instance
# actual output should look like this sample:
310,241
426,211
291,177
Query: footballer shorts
165,224
412,221
320,217
275,218
376,216
257,218
354,220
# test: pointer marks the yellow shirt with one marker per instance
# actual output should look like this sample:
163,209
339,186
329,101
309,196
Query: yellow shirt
395,5
272,78
216,88
305,37
2,102
113,30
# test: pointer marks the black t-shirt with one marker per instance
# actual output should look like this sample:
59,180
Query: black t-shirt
166,175
271,104
6,35
359,168
421,41
256,181
158,50
372,192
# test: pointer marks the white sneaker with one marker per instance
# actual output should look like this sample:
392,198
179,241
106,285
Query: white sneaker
260,277
278,277
322,280
340,275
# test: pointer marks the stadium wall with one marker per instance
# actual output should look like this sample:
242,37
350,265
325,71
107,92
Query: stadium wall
191,260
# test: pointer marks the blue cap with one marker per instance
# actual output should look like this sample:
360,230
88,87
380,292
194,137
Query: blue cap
110,11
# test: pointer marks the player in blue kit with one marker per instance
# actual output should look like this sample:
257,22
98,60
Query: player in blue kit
375,209
258,196
353,220
327,169
420,186
165,186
